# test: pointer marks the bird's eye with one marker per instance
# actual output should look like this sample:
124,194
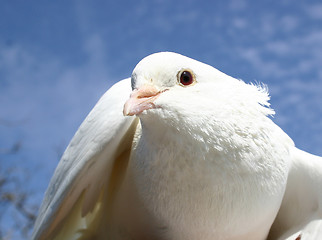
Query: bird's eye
186,78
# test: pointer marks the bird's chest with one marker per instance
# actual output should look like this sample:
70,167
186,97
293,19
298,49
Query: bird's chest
192,189
186,190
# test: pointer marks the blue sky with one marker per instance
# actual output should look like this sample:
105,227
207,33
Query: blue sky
58,57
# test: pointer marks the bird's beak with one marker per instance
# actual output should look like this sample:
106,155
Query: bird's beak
141,99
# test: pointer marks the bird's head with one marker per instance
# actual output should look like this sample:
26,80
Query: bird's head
173,86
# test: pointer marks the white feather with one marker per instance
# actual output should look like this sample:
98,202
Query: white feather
87,161
301,209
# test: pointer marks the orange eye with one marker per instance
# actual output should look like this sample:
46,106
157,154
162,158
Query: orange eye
186,78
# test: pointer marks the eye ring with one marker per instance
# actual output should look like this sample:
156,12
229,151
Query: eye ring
186,77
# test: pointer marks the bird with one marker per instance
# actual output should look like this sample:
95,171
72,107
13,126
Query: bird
182,151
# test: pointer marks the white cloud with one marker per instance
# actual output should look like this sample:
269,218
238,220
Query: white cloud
278,47
289,23
237,5
266,68
315,11
265,26
240,23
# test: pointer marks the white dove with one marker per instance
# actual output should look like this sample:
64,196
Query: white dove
195,157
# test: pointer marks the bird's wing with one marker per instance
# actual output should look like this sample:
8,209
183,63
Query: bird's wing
89,160
301,210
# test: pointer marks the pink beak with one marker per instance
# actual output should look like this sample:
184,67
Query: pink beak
141,99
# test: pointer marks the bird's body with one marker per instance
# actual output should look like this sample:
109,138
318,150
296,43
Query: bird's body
203,161
195,194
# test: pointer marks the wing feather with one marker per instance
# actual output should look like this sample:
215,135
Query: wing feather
301,210
87,163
